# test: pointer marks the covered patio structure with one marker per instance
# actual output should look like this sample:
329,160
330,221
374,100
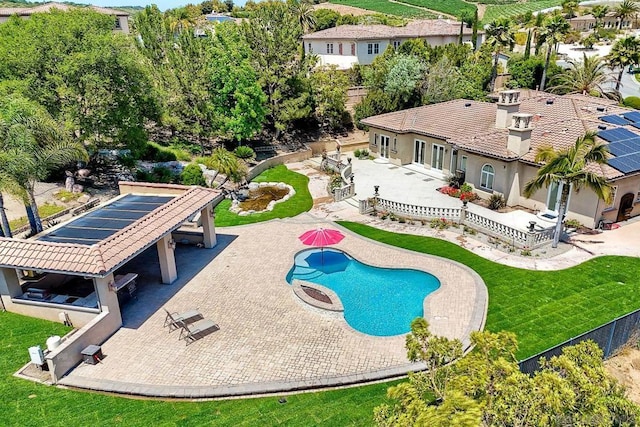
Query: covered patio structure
69,273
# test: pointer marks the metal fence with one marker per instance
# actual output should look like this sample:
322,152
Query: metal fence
609,337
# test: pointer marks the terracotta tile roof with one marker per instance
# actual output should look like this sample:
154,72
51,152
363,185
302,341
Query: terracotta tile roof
47,7
109,254
414,29
558,121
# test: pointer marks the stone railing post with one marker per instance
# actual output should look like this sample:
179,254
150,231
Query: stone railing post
531,239
463,215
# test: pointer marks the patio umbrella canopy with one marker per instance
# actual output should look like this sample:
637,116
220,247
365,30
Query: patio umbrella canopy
321,237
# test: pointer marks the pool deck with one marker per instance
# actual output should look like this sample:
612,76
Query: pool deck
269,340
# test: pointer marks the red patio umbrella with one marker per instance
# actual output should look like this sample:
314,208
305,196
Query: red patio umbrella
321,237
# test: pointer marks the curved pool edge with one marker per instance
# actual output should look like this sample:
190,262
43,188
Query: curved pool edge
124,389
481,302
335,306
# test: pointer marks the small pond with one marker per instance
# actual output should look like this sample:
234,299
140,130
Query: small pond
261,197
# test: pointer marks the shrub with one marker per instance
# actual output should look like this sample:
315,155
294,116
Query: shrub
245,153
357,153
192,175
440,223
127,161
496,201
632,102
159,174
466,188
573,223
453,181
157,153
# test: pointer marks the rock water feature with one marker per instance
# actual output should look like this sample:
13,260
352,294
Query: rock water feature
261,197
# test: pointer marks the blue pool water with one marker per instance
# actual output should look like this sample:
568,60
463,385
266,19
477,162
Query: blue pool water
377,301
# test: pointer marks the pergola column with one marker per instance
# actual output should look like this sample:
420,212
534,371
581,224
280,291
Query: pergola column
208,227
108,297
168,269
9,283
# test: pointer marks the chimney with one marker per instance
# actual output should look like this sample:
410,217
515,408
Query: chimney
508,104
520,133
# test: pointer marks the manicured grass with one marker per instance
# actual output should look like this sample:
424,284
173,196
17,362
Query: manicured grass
45,210
506,10
385,6
299,203
451,7
544,308
23,403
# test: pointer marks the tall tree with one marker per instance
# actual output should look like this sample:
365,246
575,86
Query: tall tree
554,29
499,35
569,170
273,33
303,12
599,12
330,95
588,77
226,163
569,7
625,52
486,388
33,145
625,9
88,78
466,20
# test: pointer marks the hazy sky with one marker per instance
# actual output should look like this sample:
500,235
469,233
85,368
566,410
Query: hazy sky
162,4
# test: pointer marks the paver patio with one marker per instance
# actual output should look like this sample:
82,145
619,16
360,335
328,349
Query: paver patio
268,340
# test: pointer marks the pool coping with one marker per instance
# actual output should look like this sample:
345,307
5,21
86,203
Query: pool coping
477,322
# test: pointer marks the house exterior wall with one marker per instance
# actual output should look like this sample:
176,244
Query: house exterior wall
121,23
509,178
363,57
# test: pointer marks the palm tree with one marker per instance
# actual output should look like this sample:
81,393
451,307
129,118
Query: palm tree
625,9
537,27
588,77
32,145
568,169
226,163
599,12
466,19
554,30
569,7
303,12
499,35
625,52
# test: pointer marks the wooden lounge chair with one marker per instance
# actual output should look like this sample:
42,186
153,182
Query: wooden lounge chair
175,319
192,332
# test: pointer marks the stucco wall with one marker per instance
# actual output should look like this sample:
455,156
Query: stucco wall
624,186
67,356
281,159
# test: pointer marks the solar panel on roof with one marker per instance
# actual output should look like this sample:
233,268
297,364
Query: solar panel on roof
633,116
626,164
107,220
617,134
616,120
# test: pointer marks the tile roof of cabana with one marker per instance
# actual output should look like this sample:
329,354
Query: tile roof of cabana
99,259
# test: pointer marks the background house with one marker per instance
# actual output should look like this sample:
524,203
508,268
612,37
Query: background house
347,45
588,22
493,146
121,19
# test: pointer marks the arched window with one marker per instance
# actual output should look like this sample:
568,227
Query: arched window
486,177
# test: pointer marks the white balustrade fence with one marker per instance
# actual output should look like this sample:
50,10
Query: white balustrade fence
518,238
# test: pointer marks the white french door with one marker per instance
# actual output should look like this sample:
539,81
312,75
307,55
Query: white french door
437,157
384,146
419,150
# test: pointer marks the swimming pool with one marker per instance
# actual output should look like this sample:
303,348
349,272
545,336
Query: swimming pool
377,301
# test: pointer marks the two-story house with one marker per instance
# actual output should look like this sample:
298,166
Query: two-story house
347,45
121,19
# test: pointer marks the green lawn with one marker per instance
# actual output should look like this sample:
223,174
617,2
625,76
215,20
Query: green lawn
543,308
299,203
45,210
507,10
385,6
23,403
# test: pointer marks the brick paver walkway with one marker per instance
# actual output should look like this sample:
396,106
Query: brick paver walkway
269,340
